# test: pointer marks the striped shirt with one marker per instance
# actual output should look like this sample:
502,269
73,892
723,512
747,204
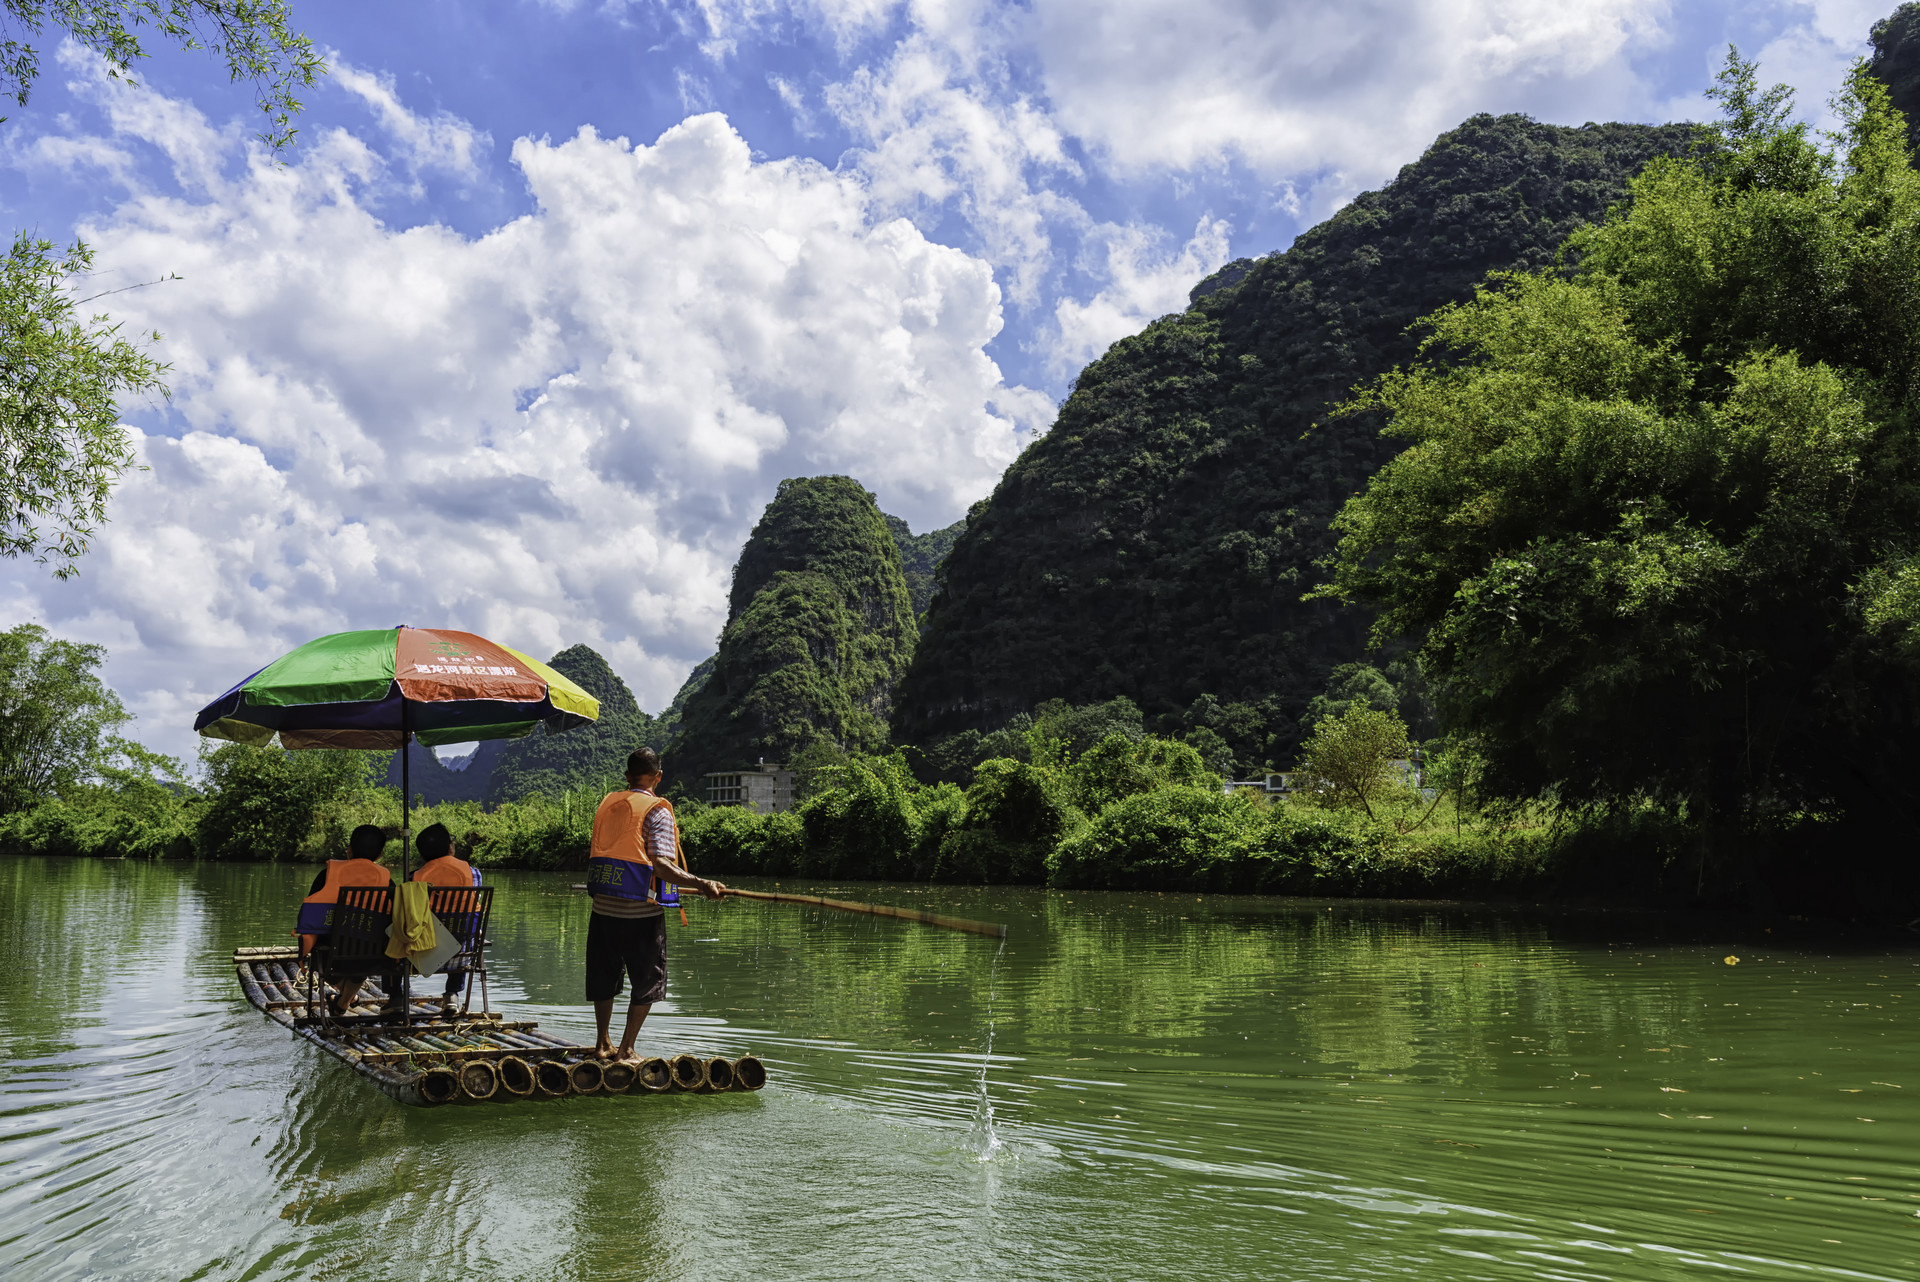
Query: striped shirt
662,840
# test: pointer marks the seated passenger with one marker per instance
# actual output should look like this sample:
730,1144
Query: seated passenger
440,865
360,868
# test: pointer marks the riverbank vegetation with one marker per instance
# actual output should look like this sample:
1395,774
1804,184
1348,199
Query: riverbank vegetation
1143,814
1639,548
1074,796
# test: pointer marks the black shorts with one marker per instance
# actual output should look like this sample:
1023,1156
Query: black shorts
635,946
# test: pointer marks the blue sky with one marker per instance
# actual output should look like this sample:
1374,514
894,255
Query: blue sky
466,358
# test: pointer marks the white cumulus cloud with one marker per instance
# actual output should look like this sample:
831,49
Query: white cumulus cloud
441,142
1145,282
559,431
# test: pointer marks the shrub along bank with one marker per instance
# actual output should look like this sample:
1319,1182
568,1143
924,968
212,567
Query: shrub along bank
1127,813
267,804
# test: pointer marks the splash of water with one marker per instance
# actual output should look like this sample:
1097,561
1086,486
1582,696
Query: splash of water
981,1136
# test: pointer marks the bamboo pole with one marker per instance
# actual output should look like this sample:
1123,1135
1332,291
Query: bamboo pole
877,910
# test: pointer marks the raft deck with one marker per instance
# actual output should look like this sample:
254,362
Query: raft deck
448,1057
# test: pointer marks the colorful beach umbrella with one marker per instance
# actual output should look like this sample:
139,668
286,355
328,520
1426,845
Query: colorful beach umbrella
372,689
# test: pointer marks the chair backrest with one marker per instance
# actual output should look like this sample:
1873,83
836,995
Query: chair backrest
358,940
464,910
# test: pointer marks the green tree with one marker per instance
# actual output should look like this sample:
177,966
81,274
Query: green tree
254,38
57,718
863,823
1353,685
1348,759
1657,518
263,802
1119,767
62,377
1015,814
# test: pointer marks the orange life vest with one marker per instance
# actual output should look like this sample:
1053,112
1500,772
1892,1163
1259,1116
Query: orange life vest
316,910
617,862
448,870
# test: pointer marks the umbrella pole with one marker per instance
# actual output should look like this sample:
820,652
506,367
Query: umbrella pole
406,843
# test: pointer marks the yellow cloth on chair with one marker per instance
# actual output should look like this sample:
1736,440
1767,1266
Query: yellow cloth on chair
414,929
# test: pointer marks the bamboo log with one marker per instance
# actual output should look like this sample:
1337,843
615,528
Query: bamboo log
749,1074
478,1078
719,1074
263,976
251,987
655,1075
586,1075
689,1072
551,1079
516,1075
521,1041
617,1077
877,910
438,1085
272,950
421,1050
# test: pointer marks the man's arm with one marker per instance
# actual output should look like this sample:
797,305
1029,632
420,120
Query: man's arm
662,836
667,870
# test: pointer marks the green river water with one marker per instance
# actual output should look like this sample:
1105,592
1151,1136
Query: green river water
1178,1086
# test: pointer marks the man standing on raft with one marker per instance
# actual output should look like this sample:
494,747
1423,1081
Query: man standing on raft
636,845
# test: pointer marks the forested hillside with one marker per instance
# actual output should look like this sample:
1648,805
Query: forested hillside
819,630
590,758
1896,61
920,558
1155,544
427,777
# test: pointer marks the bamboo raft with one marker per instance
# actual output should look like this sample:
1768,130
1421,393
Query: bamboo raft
473,1058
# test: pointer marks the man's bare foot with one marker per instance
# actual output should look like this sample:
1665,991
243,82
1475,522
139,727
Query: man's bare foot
603,1050
626,1055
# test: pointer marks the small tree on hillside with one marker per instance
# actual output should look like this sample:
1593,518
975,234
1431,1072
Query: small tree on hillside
1348,760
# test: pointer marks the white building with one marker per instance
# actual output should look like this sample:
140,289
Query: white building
766,789
1271,785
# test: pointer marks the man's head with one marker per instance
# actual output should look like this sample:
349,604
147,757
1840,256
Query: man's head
433,841
643,768
367,842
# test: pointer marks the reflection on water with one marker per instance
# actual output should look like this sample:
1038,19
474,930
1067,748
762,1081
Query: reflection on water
1224,1087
